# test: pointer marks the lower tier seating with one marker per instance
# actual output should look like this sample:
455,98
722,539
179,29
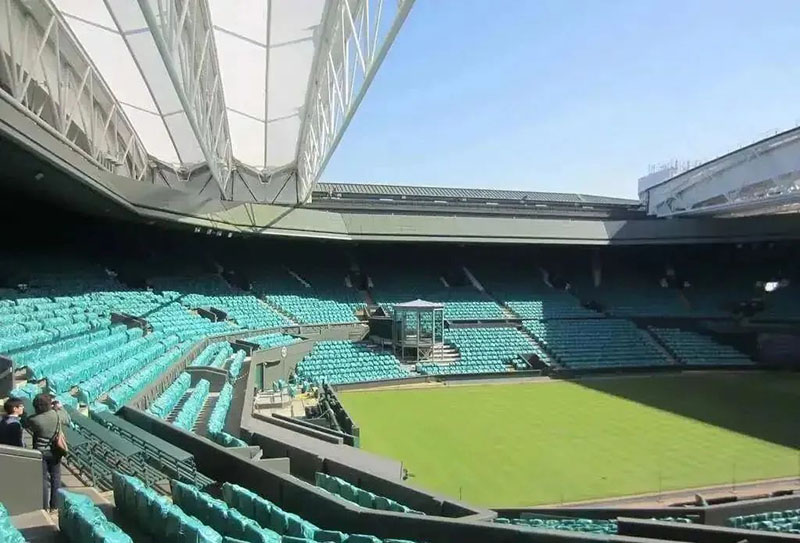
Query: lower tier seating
235,367
574,524
337,362
362,497
130,387
482,350
188,414
8,533
597,343
165,403
694,349
80,520
216,422
773,521
157,516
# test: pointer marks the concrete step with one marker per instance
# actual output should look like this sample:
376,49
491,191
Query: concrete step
37,527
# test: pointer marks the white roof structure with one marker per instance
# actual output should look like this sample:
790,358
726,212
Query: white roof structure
263,85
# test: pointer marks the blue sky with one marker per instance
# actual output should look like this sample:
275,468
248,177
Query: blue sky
571,95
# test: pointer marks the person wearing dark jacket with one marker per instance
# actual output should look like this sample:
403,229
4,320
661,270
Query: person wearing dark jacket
10,425
44,425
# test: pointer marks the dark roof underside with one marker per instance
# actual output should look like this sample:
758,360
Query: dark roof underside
374,190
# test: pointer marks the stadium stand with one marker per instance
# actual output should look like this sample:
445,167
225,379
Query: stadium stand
320,301
787,521
267,341
694,349
81,520
597,343
216,422
194,403
168,399
362,497
529,297
337,362
483,350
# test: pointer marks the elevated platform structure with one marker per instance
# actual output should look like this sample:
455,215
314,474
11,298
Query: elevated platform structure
762,178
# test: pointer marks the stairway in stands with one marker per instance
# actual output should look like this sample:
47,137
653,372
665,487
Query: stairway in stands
445,354
279,310
660,345
551,360
201,423
179,406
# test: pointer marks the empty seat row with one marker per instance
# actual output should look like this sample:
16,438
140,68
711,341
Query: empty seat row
267,341
337,362
787,521
362,497
191,408
208,356
80,520
597,343
168,399
216,421
157,516
130,387
695,349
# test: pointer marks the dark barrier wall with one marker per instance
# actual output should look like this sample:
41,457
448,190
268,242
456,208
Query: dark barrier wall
697,533
6,376
300,428
216,377
328,511
20,479
779,349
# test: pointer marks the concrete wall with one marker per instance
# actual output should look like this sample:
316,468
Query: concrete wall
20,479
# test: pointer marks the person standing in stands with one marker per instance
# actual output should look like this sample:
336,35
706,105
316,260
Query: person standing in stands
10,425
44,425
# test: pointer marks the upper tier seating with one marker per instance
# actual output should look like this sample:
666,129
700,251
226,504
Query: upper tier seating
80,520
527,295
337,362
695,349
483,350
321,298
460,302
362,497
787,521
597,343
8,533
267,341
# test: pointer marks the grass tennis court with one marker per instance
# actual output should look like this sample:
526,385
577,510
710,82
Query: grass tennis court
548,442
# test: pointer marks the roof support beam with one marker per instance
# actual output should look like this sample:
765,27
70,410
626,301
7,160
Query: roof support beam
46,74
354,42
184,37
